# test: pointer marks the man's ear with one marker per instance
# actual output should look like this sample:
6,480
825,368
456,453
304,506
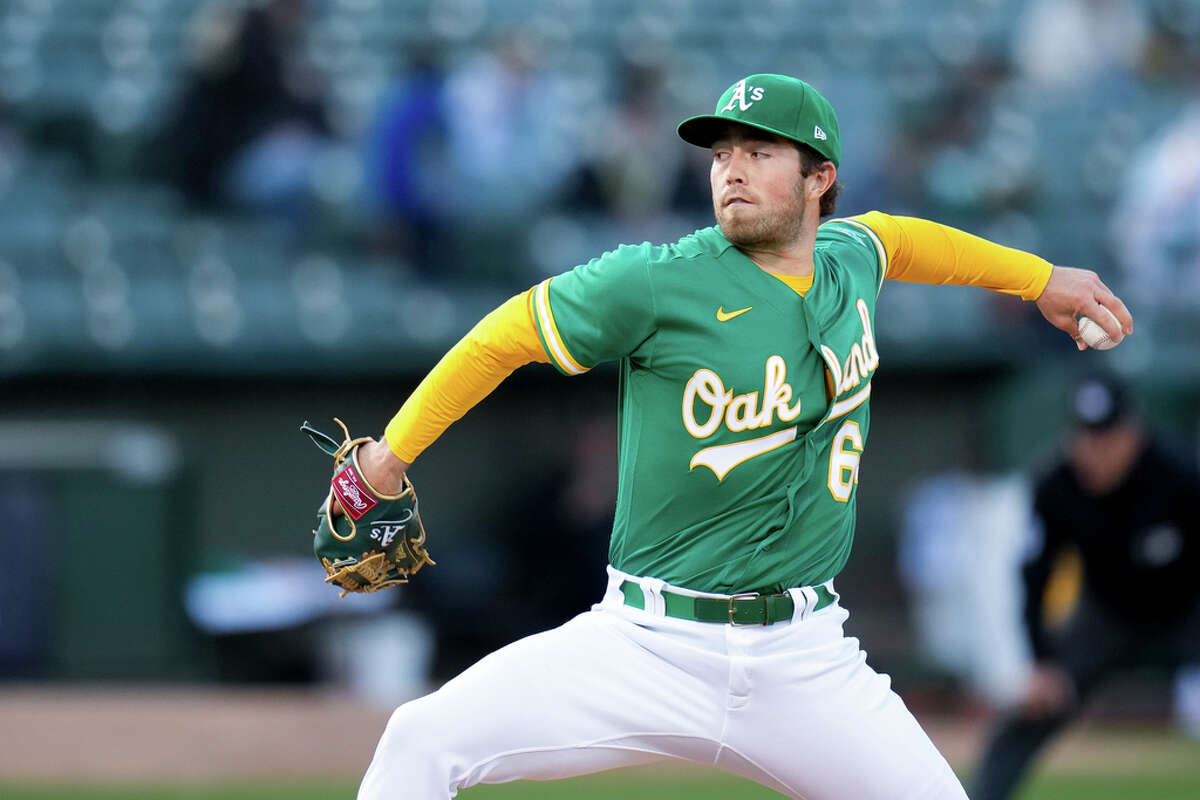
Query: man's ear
828,173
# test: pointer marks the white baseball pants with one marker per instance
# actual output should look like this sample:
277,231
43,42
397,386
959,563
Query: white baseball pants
792,705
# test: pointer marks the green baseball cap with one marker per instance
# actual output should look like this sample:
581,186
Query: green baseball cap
778,104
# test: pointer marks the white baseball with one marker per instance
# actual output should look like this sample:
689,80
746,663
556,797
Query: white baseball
1095,337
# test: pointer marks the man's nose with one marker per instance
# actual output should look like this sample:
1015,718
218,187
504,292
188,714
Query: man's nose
735,171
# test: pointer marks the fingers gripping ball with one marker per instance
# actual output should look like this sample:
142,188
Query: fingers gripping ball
378,540
1095,337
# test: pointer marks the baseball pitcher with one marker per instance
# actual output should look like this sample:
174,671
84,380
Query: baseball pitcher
746,354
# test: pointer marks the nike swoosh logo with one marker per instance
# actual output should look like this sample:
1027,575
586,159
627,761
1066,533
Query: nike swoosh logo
725,316
724,457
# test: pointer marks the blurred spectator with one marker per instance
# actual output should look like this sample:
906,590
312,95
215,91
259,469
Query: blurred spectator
1062,45
634,170
407,164
968,154
957,158
1156,221
508,156
249,121
1128,508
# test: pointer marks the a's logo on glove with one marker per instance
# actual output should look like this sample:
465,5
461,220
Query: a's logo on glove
356,500
384,531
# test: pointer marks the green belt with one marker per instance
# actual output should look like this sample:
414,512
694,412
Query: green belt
738,609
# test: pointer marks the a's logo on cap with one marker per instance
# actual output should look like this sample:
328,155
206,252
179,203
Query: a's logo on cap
739,97
818,133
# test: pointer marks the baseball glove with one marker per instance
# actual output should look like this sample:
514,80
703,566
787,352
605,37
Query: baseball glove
378,540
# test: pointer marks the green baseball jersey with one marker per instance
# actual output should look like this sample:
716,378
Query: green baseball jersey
737,471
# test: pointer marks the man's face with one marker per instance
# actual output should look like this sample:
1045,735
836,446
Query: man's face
757,188
1102,459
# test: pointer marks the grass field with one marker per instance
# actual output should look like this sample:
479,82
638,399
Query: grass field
628,785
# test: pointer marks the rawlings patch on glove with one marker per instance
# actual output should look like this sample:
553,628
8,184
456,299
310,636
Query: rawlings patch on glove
379,540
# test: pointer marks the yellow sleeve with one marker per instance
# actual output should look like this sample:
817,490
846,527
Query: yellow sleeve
920,251
499,343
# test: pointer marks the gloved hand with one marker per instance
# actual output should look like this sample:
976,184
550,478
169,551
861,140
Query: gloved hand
366,540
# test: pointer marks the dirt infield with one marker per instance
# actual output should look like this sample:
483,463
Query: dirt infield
137,733
140,733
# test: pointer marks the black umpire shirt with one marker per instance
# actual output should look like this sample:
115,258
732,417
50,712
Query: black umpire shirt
1139,543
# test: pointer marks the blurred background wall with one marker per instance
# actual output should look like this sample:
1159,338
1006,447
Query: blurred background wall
219,219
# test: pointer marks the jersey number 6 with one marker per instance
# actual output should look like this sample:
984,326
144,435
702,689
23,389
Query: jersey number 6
844,457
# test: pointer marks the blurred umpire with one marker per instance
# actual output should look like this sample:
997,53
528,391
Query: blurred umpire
1130,509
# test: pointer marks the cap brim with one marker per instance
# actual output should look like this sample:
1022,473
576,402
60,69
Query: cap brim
705,129
1107,422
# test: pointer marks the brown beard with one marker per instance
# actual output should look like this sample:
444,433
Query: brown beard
764,231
